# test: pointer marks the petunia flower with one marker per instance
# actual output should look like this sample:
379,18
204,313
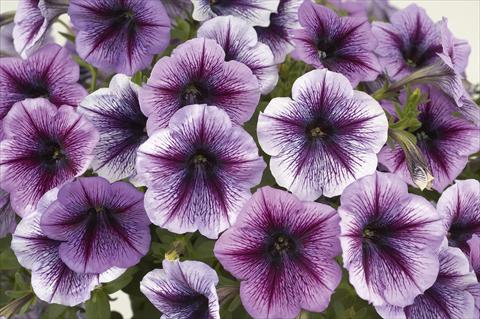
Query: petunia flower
239,41
199,171
340,44
178,8
183,290
324,138
412,41
372,9
459,207
255,12
447,298
33,20
49,73
7,215
44,147
282,250
52,280
119,35
197,73
390,240
100,225
474,247
115,113
445,140
278,34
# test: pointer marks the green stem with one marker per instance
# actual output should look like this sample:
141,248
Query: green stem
93,85
66,26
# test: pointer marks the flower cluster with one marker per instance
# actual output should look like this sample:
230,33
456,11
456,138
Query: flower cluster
237,159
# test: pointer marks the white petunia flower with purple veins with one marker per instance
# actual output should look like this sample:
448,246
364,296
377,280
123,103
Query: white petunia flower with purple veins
447,298
49,73
44,147
33,20
199,171
119,35
196,73
239,41
474,256
100,225
390,240
324,138
7,215
183,289
278,34
340,44
459,207
282,250
445,140
52,280
115,113
412,41
255,12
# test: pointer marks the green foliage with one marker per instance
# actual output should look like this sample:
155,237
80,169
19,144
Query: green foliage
98,306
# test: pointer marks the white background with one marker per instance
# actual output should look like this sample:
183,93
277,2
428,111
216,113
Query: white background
463,20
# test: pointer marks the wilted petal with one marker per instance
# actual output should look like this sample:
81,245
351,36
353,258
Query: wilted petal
7,215
324,138
199,171
389,240
282,250
458,50
100,225
178,8
239,41
115,113
44,147
6,40
183,290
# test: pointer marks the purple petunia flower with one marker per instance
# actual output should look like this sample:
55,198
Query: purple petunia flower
390,240
255,12
239,41
459,207
445,140
340,44
116,114
33,20
44,147
282,250
50,73
119,35
197,73
52,280
7,215
474,247
448,298
100,225
412,41
199,171
183,290
278,34
324,138
178,8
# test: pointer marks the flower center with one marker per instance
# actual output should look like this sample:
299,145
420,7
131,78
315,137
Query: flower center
317,129
200,307
36,89
194,93
368,233
281,245
202,161
326,48
50,154
459,234
316,132
94,211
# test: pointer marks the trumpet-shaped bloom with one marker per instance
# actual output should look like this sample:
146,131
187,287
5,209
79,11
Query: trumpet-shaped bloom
255,12
459,207
44,147
119,35
324,138
447,298
390,240
99,225
282,250
278,34
115,113
7,215
340,44
445,140
239,41
52,280
33,20
412,41
199,171
49,73
183,290
197,73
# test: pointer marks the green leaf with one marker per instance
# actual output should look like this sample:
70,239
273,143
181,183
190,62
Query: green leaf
54,311
67,36
8,261
181,30
98,306
120,282
21,283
